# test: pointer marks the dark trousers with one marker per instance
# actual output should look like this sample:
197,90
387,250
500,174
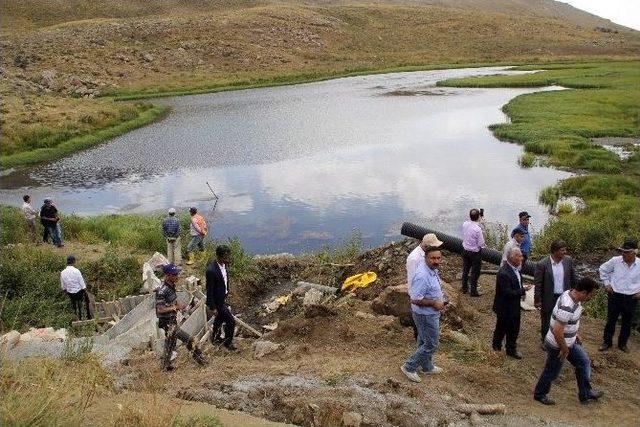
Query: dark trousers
581,363
224,316
545,317
471,262
619,305
172,334
76,303
507,324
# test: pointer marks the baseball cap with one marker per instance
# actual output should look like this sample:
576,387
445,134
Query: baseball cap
524,214
172,211
171,269
629,245
431,239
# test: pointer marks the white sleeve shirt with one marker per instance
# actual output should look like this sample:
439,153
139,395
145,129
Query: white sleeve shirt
71,280
413,261
624,279
223,270
558,276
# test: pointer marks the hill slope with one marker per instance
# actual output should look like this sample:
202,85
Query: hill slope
60,49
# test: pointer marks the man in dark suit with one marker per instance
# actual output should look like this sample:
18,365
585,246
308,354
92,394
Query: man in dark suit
554,275
217,277
506,304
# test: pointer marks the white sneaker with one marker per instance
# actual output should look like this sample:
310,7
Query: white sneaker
435,370
413,376
174,355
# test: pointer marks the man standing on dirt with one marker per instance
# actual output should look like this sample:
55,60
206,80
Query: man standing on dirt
621,278
506,305
198,231
30,217
472,243
217,277
562,341
525,246
72,283
171,230
50,220
427,302
415,258
167,307
553,276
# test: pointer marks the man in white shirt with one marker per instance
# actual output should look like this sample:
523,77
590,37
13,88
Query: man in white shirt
517,236
30,216
72,282
621,278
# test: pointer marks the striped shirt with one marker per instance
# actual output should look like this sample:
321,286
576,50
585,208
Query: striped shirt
567,312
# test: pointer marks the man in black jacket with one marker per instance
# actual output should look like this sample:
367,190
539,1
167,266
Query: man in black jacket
217,276
554,275
506,305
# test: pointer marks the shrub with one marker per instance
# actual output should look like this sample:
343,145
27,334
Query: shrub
527,160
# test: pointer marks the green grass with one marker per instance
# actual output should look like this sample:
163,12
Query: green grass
559,125
81,142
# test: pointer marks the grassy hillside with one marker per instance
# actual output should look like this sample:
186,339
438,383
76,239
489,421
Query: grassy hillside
61,58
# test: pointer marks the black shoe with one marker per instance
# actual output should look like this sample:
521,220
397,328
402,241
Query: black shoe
464,291
496,348
231,347
623,348
514,354
595,394
545,400
604,347
168,368
199,357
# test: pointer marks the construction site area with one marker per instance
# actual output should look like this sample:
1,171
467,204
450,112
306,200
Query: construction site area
313,355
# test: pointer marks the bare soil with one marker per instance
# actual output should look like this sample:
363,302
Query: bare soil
339,362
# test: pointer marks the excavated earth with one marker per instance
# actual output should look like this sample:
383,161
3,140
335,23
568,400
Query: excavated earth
337,358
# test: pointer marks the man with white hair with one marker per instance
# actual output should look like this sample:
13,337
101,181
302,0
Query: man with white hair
506,305
621,278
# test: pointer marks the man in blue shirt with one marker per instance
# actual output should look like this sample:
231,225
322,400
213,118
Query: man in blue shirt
171,230
427,302
523,227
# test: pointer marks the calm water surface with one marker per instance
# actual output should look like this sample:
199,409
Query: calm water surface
300,167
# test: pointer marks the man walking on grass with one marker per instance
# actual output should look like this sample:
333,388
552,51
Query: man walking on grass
171,230
563,342
30,217
472,243
198,231
553,276
506,305
427,302
167,307
72,283
621,278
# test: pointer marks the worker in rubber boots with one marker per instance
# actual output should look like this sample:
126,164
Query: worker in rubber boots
198,231
167,307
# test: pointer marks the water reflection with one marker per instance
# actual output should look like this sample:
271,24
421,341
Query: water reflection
302,166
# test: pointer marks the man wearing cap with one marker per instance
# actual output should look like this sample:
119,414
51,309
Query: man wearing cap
50,220
198,231
472,243
427,302
621,278
171,231
553,276
217,283
167,307
415,258
523,227
72,283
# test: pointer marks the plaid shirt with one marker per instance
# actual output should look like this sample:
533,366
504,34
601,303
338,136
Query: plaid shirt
171,227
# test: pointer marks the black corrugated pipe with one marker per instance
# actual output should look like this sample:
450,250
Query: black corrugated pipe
453,244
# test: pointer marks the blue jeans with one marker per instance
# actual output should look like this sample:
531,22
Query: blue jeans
196,243
55,232
428,337
581,363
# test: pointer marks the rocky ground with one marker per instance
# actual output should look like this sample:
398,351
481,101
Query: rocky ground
335,360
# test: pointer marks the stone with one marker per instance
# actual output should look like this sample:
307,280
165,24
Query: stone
10,339
351,419
460,338
474,419
312,297
262,348
394,301
147,57
48,79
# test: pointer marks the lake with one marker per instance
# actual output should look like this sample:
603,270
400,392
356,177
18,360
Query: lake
301,167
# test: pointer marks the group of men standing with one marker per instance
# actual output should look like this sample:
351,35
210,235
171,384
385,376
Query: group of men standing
172,230
558,294
49,218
